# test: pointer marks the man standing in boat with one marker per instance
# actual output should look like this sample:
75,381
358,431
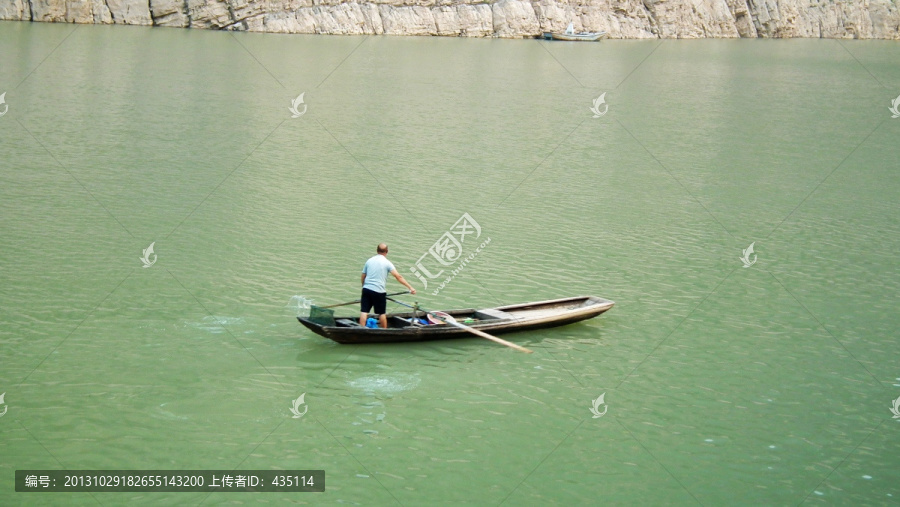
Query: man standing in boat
374,293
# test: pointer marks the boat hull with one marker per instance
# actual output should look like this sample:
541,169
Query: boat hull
500,320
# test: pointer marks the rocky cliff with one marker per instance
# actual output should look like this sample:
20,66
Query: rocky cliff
865,19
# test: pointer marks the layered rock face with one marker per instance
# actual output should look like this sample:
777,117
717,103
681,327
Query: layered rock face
637,19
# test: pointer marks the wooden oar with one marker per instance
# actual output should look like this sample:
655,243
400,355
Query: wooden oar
450,320
358,300
477,332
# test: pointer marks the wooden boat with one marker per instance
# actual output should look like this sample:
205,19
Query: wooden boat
570,34
580,36
407,326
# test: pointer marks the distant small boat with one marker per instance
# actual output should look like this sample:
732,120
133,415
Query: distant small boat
408,326
571,35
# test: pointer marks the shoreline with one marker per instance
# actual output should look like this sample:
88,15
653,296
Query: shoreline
512,19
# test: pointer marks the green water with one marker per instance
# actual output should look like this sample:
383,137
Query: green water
770,384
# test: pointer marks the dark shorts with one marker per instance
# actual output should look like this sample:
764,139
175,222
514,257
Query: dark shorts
371,298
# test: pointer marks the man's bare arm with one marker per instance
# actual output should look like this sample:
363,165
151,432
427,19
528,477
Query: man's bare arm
403,281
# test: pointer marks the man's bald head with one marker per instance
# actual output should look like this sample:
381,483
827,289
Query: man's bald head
382,248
